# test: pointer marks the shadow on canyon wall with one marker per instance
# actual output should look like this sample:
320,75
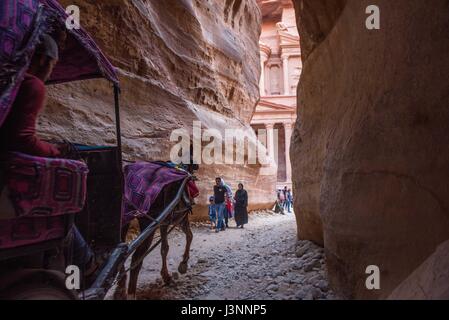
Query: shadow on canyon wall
369,150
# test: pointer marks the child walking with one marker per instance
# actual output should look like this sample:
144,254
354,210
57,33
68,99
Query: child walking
212,213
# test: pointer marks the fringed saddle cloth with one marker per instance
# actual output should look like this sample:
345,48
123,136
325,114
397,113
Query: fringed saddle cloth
144,181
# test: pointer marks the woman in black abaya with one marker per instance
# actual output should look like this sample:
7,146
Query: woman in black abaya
241,204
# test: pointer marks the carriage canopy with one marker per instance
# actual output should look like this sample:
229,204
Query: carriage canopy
22,22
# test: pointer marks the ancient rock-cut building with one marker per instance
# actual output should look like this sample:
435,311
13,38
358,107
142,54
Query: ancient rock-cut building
281,69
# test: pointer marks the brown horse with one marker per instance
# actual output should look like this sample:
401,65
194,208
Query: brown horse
178,218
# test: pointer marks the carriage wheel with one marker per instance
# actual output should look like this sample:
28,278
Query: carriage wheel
40,291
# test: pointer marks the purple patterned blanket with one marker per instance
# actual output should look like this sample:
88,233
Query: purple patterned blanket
42,190
42,187
26,231
143,183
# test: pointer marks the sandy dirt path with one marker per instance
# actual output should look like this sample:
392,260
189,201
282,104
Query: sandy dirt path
262,261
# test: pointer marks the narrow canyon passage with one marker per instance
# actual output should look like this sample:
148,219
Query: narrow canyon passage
262,261
337,106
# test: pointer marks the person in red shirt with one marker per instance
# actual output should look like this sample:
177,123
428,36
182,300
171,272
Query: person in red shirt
19,130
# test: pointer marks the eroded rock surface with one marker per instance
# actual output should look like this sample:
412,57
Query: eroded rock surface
179,61
370,156
428,282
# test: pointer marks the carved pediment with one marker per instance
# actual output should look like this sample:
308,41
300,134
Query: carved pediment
288,39
266,106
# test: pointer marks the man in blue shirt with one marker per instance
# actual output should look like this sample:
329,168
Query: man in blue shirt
289,200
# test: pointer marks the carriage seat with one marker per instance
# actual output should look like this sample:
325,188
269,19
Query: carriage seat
7,210
45,187
36,195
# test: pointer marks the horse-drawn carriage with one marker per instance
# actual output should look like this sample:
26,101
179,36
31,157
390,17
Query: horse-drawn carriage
42,199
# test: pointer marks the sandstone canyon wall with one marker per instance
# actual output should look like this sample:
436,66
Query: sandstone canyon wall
429,281
178,61
370,148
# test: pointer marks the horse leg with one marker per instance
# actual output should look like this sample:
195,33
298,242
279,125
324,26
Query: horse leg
164,253
136,266
189,237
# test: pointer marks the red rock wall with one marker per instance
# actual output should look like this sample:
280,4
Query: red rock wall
369,151
178,61
429,281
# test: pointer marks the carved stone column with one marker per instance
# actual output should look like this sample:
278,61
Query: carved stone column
270,140
263,61
286,75
265,53
288,135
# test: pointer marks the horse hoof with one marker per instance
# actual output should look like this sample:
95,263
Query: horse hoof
167,279
182,268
